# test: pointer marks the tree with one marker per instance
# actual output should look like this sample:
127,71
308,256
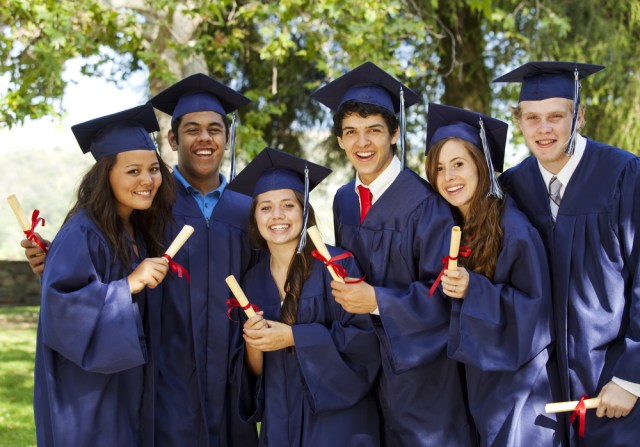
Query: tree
278,52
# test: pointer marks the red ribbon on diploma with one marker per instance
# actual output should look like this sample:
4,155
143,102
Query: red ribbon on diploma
581,411
465,252
175,267
233,303
340,270
31,233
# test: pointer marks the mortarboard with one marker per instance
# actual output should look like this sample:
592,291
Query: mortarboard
548,79
199,93
272,169
370,84
123,131
486,133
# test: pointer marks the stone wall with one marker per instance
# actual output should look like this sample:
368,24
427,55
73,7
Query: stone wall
18,284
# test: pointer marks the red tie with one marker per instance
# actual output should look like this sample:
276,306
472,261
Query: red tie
365,201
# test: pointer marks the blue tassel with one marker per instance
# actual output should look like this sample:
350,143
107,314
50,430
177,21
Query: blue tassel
574,118
232,144
494,187
305,212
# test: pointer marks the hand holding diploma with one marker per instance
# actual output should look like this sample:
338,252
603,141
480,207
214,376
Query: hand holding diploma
27,227
456,281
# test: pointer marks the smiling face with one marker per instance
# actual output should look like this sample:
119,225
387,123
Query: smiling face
457,175
367,144
278,217
546,127
201,142
134,179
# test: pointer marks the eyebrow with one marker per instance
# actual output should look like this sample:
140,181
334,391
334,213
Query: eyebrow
130,165
367,127
194,123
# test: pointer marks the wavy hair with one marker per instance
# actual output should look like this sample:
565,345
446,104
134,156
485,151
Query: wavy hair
483,233
97,199
299,266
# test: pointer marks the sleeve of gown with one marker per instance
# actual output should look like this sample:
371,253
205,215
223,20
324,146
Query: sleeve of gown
415,323
90,320
628,366
339,363
500,326
248,391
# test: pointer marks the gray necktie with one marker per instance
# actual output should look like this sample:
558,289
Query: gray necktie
554,196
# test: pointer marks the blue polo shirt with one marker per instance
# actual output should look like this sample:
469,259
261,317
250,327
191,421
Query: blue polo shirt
206,202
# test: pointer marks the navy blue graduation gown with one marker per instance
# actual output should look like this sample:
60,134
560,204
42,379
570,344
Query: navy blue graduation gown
502,331
400,246
594,249
321,392
91,354
194,403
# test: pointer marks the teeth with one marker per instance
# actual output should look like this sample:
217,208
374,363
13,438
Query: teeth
143,193
204,152
455,188
545,141
279,227
365,154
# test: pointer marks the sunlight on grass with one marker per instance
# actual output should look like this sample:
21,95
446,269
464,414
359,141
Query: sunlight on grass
17,350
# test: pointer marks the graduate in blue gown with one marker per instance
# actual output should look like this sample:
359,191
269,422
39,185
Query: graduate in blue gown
582,196
501,315
399,244
194,402
93,381
314,363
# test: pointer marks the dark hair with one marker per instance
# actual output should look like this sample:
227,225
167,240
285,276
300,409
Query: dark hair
482,230
175,125
364,110
299,267
97,199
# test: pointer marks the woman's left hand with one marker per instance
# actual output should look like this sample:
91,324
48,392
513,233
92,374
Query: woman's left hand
272,338
455,282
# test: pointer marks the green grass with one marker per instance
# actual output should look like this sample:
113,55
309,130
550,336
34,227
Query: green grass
17,351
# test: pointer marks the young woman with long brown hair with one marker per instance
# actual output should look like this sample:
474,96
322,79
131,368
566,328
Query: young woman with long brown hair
501,306
92,372
313,362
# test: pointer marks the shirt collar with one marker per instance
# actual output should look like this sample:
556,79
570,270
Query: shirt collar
192,190
383,181
567,170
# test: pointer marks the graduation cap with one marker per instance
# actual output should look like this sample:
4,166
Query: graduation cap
486,133
272,169
547,79
199,93
123,131
370,84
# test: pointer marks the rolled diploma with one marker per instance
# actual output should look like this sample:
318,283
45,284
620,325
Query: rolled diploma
179,241
454,248
240,296
559,407
314,234
14,203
